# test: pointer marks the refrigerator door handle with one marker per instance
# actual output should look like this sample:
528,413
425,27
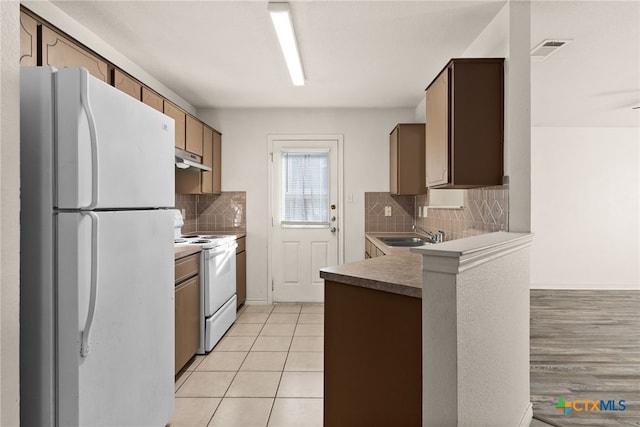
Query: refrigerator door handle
86,106
85,346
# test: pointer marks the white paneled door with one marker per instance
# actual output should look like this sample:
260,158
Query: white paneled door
305,211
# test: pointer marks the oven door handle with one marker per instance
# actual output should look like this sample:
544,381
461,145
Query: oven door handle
213,252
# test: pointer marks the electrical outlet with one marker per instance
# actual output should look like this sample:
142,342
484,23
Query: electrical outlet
424,211
387,211
184,213
419,211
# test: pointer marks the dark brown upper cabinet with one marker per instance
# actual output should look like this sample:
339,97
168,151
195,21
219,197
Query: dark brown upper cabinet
464,132
406,156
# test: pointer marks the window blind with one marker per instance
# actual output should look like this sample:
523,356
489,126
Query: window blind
305,189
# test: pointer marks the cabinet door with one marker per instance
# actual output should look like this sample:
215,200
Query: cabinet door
410,157
188,182
58,51
126,84
241,277
28,40
437,132
217,162
180,117
194,136
187,321
152,100
393,162
207,160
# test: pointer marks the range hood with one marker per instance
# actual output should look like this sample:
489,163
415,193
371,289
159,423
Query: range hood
190,162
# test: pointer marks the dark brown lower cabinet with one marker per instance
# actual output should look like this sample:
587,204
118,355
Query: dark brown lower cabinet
241,278
187,309
372,358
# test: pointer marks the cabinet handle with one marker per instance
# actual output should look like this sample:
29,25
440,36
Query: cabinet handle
86,106
85,346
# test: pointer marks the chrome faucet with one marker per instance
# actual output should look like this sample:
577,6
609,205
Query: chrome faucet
416,226
432,237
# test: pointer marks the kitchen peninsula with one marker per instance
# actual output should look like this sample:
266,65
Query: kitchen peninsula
455,314
373,342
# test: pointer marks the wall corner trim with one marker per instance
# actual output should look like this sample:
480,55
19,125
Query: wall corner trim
457,256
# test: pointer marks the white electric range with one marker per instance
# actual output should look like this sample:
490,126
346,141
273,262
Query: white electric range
217,282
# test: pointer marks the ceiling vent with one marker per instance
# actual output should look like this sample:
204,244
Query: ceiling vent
546,49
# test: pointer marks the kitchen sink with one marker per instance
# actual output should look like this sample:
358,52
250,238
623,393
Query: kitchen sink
403,241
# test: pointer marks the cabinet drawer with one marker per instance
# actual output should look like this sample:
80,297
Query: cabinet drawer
187,267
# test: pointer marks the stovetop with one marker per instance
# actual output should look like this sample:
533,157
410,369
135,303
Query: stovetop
204,240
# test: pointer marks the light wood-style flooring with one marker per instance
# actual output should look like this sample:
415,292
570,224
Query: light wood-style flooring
585,344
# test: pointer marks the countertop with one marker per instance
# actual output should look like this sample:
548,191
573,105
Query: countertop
186,250
398,272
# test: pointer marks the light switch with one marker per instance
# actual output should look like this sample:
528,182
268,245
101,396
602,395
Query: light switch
350,198
387,211
419,211
424,211
184,213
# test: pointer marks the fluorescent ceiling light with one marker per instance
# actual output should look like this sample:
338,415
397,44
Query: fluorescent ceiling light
281,17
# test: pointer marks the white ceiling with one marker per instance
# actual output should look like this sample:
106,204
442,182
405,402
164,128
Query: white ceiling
595,79
218,54
225,53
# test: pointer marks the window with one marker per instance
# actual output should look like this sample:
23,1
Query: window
305,188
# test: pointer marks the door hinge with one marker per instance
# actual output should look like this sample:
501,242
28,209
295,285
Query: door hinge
271,285
271,154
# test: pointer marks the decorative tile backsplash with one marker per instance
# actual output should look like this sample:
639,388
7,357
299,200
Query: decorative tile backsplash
223,212
190,216
485,210
213,212
402,212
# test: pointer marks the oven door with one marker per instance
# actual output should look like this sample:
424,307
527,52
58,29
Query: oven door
218,278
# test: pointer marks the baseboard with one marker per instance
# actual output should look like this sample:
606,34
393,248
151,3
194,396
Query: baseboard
527,417
545,286
255,302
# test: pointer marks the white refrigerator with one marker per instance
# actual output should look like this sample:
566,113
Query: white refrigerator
97,254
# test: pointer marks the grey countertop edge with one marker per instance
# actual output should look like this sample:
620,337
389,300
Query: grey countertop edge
185,251
399,273
394,288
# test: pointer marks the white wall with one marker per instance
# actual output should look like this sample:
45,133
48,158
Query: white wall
508,36
585,207
245,167
9,212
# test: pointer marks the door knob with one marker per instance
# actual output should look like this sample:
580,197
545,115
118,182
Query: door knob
332,229
333,218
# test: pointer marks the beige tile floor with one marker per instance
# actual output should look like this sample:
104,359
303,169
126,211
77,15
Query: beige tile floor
266,371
